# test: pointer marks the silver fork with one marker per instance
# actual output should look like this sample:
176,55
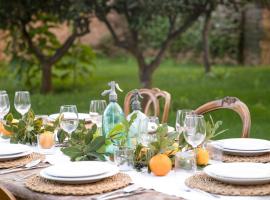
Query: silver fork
119,193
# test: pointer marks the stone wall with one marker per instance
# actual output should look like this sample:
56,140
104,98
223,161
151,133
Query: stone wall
256,36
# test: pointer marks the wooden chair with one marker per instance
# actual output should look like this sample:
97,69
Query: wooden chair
153,99
5,194
234,104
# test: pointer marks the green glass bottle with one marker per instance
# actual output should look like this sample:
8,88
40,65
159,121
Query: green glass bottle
113,114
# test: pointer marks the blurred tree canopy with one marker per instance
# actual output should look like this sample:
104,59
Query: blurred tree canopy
170,18
30,25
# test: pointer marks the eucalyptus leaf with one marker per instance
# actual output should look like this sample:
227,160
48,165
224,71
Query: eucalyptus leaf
95,144
72,152
90,134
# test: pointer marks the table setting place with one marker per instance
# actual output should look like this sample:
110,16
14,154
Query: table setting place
109,153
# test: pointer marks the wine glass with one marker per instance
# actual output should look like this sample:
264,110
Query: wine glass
69,119
194,130
96,110
4,106
180,118
22,102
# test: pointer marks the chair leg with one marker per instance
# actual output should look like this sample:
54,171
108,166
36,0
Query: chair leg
5,194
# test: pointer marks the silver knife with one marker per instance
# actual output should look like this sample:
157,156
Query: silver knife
122,195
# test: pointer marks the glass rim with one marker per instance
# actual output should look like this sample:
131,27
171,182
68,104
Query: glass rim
185,110
22,91
68,106
194,115
96,100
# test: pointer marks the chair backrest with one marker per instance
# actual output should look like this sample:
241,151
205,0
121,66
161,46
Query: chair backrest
234,104
5,194
153,97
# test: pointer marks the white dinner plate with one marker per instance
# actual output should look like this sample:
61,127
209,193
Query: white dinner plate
80,180
82,116
11,149
15,156
78,169
243,146
242,173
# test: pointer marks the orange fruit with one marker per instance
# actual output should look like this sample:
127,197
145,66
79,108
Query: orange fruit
46,140
160,164
4,131
202,156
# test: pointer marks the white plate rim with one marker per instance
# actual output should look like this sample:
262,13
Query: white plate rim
105,165
13,157
250,139
90,179
208,171
24,149
238,152
238,181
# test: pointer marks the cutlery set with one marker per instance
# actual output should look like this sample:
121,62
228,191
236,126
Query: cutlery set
31,165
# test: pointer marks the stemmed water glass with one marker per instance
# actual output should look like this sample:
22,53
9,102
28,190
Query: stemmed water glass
22,102
194,130
96,110
179,125
4,106
69,119
180,119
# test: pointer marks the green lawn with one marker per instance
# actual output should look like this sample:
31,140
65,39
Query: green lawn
187,84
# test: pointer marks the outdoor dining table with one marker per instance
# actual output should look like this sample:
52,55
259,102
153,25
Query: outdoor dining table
168,187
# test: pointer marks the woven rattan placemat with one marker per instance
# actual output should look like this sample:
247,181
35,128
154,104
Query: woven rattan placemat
264,158
115,182
21,161
203,182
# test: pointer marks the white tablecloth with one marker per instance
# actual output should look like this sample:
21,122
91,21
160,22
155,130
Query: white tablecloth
172,184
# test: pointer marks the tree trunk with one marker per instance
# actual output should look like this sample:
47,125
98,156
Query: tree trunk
46,85
145,74
205,34
241,41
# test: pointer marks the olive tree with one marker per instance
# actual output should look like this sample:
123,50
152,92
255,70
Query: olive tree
144,20
30,24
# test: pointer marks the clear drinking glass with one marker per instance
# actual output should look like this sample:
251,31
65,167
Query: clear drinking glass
180,119
194,130
46,143
96,110
123,158
69,118
4,107
22,102
185,161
